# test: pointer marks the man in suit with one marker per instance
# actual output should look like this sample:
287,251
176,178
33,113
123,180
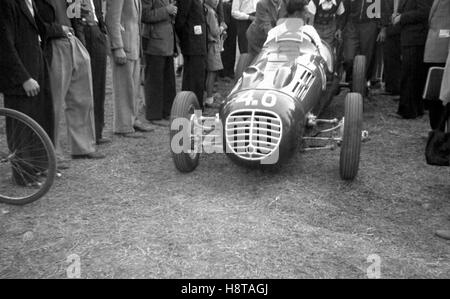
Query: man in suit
123,20
436,52
71,83
229,52
158,17
360,34
412,18
90,29
190,26
24,77
390,36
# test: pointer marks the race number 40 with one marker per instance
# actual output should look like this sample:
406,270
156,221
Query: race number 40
269,99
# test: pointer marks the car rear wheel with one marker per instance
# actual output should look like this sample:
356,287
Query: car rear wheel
351,143
183,109
359,83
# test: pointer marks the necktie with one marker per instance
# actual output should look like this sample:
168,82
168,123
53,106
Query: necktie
30,7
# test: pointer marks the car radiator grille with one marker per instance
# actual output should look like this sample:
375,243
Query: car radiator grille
253,134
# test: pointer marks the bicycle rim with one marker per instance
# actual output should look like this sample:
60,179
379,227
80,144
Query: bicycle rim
27,159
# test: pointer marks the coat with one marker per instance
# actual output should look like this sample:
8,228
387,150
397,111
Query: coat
123,21
414,21
21,38
387,9
158,29
445,87
265,19
21,53
190,26
438,39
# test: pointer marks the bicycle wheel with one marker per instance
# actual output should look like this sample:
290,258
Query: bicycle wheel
27,159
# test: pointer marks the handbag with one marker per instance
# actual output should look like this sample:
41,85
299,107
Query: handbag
437,151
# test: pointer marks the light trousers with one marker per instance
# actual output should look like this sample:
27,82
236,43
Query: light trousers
71,84
126,81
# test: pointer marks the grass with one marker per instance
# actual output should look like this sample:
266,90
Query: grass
133,215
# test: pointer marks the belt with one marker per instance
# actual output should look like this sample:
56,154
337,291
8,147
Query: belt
85,22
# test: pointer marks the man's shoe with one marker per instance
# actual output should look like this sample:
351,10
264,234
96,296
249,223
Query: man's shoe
91,156
161,122
62,164
140,127
133,135
103,141
444,234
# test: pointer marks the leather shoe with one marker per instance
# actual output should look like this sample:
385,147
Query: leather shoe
444,234
160,122
62,164
133,135
103,141
140,127
91,156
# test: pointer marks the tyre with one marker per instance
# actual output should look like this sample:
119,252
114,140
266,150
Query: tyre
27,161
359,83
183,108
351,143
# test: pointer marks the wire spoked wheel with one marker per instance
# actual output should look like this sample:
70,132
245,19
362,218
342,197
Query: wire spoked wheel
27,159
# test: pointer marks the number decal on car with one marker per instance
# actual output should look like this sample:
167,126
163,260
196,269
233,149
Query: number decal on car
269,99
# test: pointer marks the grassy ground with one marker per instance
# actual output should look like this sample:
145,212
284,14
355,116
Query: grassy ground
133,215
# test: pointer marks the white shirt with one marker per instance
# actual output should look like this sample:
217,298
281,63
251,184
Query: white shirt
89,6
30,6
241,9
326,5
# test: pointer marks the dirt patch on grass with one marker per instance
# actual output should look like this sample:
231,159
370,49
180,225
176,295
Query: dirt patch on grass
134,215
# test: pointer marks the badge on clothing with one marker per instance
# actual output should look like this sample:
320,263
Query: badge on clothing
444,33
198,30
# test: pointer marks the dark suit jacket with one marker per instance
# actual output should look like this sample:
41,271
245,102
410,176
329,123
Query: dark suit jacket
387,9
191,13
158,30
47,13
20,50
414,21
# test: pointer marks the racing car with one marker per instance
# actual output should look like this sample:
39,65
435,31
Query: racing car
274,106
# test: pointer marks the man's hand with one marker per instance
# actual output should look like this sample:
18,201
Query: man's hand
338,34
224,25
381,38
119,56
31,87
396,19
172,9
67,30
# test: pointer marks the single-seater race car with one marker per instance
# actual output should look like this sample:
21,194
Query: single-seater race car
273,107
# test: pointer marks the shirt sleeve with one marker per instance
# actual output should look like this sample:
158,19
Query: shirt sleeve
341,9
311,7
236,12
